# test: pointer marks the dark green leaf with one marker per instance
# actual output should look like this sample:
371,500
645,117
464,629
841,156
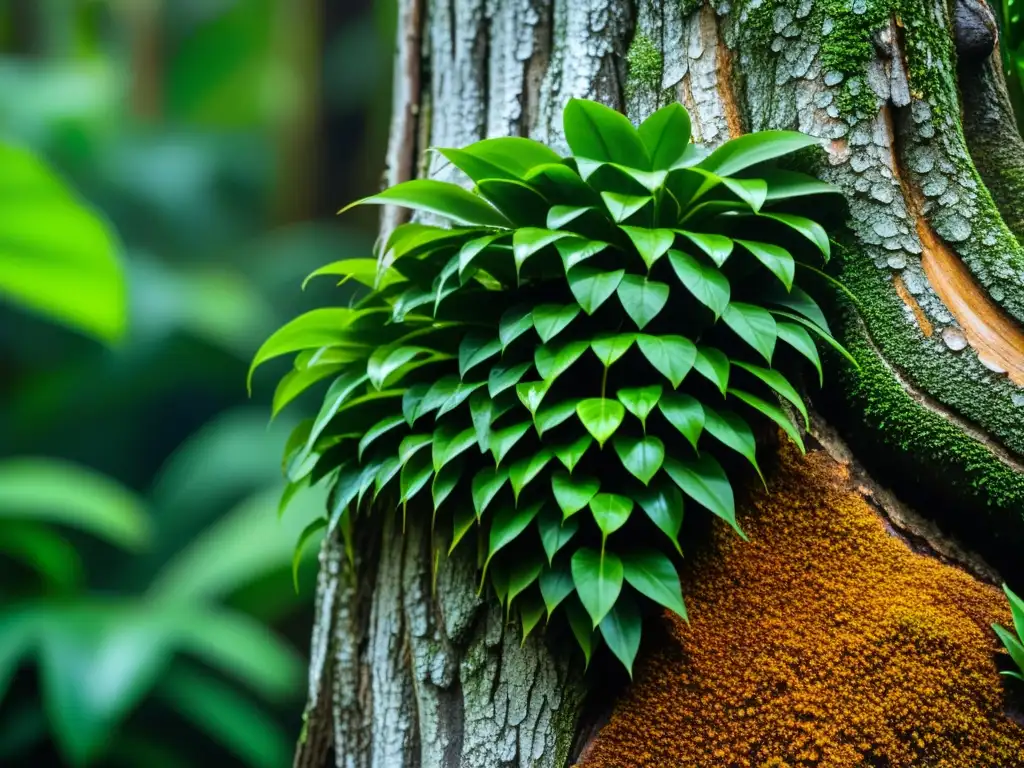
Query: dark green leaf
809,228
441,198
778,260
640,401
553,415
522,574
552,361
297,381
463,521
773,412
571,453
525,470
652,574
513,324
620,207
556,584
528,240
601,416
685,413
732,430
592,288
486,484
555,531
504,440
801,341
505,157
502,377
598,578
577,250
717,247
713,365
705,482
799,301
671,356
475,349
472,249
754,325
507,525
307,533
642,299
411,444
531,611
753,148
415,475
621,629
642,458
825,335
610,512
783,185
581,627
573,493
780,384
707,284
448,442
751,191
444,483
663,504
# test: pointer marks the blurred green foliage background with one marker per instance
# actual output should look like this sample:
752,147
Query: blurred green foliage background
169,173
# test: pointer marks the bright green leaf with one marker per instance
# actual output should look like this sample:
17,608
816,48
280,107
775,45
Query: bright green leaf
642,299
754,325
652,574
598,578
641,457
704,281
671,356
601,417
592,288
573,492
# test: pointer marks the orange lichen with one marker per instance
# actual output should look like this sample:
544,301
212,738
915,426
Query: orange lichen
826,642
906,297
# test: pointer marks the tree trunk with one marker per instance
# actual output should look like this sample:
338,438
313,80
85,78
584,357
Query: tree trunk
908,99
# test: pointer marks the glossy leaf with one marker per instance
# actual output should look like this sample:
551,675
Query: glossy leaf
640,401
666,134
507,525
525,470
486,485
598,579
713,365
552,415
642,458
552,319
717,247
610,347
476,348
780,384
555,531
652,574
570,453
733,431
573,492
754,325
449,441
621,630
552,361
773,412
671,356
651,244
800,340
592,288
529,240
513,324
809,228
663,504
777,260
611,511
642,299
581,627
753,148
704,481
576,250
504,440
531,393
440,198
704,281
556,584
597,132
620,207
601,417
504,377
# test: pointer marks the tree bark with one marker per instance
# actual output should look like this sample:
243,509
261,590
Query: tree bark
908,100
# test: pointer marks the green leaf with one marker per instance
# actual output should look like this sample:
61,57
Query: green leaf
505,157
363,271
596,132
553,415
502,377
642,299
385,474
576,250
801,341
295,382
778,260
1012,645
508,524
463,521
610,347
444,483
592,288
449,441
610,512
582,630
316,328
531,611
440,198
705,482
783,185
601,417
486,485
651,244
751,191
1016,610
504,440
522,574
411,445
513,324
732,430
754,325
642,458
799,301
707,284
809,228
671,356
474,349
412,240
58,258
652,574
598,578
551,362
780,384
520,203
666,134
571,453
552,319
663,504
685,413
54,491
337,398
556,584
621,629
825,335
531,393
640,401
573,493
560,215
773,412
484,412
529,240
713,365
472,249
525,470
753,148
620,207
307,533
555,531
717,247
48,553
387,360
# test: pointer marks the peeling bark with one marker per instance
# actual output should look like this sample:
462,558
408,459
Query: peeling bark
909,104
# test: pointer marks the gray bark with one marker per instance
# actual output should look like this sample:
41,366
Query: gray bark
406,675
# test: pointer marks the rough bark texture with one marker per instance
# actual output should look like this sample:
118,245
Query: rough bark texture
917,132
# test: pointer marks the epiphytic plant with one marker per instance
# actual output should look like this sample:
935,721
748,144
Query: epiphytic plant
558,369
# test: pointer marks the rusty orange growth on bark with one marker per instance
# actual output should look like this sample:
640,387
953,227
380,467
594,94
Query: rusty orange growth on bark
825,641
905,296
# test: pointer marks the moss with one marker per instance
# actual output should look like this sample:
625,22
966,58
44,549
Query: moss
824,641
645,67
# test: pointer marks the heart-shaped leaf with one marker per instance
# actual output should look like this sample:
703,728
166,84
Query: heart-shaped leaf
705,482
611,511
663,504
621,629
601,417
573,493
685,413
531,393
555,531
598,578
552,415
562,215
641,457
666,134
642,299
552,319
717,247
486,485
525,470
552,361
610,347
522,574
709,286
570,453
754,325
621,207
778,260
640,401
529,240
651,244
671,356
733,431
592,288
556,584
576,250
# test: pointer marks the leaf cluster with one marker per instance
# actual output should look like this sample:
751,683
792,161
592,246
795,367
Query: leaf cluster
580,355
1014,643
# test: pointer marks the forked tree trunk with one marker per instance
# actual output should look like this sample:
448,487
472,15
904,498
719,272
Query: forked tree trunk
916,129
